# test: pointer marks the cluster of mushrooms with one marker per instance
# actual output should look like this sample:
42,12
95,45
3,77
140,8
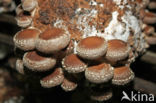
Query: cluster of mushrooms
81,40
149,20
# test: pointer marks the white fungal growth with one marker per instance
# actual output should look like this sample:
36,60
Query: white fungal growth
116,29
83,22
121,3
59,24
92,2
118,2
129,25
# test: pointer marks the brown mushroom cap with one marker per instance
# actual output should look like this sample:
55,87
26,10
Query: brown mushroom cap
25,39
54,79
122,75
99,73
20,66
102,96
92,47
68,85
73,64
29,5
36,62
117,50
52,40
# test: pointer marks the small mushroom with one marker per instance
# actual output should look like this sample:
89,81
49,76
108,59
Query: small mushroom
151,40
102,96
6,2
24,21
152,5
20,66
26,39
143,3
99,73
54,79
73,64
68,85
149,17
92,47
52,40
122,75
7,6
29,5
36,62
117,50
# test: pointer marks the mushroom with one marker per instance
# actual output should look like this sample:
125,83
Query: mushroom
24,21
36,62
7,5
152,4
73,64
99,73
143,3
54,79
151,40
6,2
117,50
92,47
68,85
29,5
26,39
149,17
102,96
20,66
122,75
52,40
